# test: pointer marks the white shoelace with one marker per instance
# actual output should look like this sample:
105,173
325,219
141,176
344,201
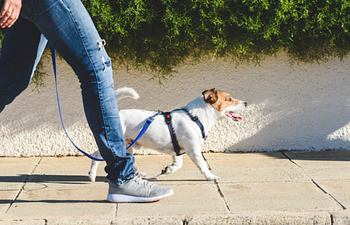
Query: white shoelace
139,180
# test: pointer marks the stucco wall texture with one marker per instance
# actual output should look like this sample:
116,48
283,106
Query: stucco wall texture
291,107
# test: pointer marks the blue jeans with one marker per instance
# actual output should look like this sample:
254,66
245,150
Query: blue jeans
68,27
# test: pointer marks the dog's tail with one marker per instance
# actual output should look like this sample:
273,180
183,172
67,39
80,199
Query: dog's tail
126,92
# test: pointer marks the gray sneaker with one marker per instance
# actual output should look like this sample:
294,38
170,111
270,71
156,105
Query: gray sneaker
137,190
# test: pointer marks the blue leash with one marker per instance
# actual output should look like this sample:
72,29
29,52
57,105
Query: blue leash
142,132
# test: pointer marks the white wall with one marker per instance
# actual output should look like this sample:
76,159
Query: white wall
298,107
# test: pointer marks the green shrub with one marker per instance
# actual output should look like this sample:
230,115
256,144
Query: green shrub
161,34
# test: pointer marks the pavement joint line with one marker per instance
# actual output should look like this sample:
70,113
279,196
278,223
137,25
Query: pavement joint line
222,195
23,184
314,182
116,210
332,219
218,187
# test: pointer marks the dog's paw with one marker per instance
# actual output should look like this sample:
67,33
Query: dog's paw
212,177
92,177
167,170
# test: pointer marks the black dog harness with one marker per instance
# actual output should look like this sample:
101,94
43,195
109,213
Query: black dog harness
167,117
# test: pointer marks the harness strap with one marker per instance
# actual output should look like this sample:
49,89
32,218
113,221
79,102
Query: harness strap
197,121
167,117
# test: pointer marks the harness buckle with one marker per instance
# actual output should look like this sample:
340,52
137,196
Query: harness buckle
167,117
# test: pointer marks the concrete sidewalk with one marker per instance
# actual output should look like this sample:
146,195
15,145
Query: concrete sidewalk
254,188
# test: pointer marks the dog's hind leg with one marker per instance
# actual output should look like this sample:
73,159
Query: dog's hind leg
177,164
199,161
94,165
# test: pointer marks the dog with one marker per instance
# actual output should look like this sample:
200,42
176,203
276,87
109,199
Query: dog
211,107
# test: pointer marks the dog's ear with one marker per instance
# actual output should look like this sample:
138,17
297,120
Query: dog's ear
210,96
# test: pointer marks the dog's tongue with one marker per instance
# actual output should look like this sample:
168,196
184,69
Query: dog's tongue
234,116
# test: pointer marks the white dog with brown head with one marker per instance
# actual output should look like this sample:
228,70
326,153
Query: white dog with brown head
211,107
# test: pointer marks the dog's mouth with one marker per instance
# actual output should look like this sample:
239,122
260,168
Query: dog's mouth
233,116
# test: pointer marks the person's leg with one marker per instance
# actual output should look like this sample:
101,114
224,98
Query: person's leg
69,28
21,51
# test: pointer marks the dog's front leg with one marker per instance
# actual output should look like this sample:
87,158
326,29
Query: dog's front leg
198,160
94,165
177,164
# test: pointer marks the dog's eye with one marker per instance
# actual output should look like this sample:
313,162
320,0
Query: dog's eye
229,99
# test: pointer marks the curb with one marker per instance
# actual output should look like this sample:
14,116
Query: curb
291,218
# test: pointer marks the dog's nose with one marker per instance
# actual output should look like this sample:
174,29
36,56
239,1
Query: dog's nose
245,104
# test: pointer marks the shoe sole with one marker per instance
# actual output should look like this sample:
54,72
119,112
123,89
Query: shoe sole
116,198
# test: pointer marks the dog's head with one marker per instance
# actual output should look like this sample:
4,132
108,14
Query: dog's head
224,103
